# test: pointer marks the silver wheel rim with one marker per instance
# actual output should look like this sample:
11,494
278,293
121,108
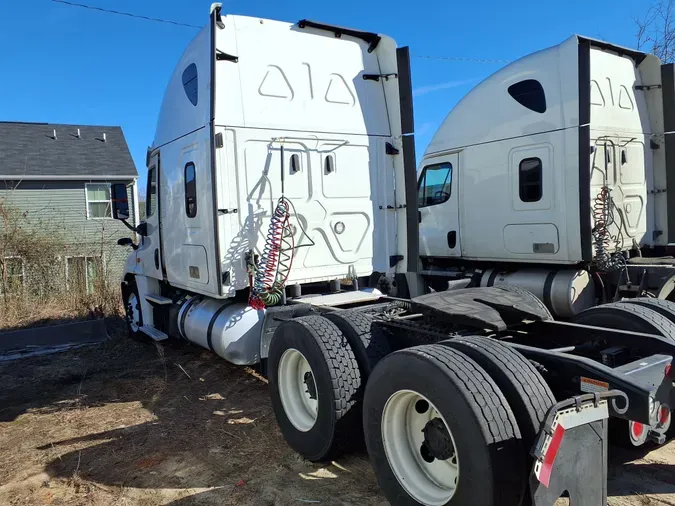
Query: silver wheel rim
297,389
133,312
405,416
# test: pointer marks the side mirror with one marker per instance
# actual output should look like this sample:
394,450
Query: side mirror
127,241
120,201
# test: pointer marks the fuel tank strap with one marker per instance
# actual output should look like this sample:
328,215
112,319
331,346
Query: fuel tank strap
209,332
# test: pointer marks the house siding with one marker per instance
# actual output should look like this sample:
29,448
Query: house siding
60,207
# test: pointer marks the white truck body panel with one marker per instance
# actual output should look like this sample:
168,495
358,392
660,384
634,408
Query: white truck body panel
621,129
494,134
302,88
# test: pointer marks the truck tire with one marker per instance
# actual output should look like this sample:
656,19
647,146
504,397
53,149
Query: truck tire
314,385
622,316
133,315
524,388
528,295
369,348
664,307
432,403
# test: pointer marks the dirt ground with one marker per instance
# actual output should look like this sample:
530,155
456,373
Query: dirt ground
129,424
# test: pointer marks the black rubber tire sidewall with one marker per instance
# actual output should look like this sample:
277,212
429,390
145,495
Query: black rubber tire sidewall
664,307
625,317
136,335
316,444
477,485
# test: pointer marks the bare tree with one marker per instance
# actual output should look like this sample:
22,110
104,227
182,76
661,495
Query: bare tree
656,32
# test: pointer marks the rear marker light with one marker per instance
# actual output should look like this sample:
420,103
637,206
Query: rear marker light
637,429
663,415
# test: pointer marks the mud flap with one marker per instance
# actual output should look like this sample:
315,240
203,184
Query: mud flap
571,451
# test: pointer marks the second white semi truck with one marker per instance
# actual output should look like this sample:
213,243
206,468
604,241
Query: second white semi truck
477,324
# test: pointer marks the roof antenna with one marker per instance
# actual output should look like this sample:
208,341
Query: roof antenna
104,138
54,136
78,134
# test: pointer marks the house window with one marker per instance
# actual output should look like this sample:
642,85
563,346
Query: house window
12,275
151,197
529,93
190,190
82,273
98,200
191,83
435,185
530,180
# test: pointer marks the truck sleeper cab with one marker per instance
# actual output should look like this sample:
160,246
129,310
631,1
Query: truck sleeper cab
547,174
313,118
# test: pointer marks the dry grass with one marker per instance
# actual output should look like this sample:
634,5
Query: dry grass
33,285
121,424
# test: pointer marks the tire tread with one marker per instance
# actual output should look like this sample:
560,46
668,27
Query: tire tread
534,395
659,323
356,327
342,365
496,416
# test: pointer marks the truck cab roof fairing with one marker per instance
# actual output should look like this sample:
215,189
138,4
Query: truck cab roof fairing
178,114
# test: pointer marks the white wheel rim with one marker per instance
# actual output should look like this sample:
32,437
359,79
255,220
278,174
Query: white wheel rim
133,312
431,483
296,379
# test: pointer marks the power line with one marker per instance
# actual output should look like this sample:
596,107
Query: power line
459,58
177,23
129,14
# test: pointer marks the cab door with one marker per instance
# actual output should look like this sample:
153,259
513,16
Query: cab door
150,250
438,202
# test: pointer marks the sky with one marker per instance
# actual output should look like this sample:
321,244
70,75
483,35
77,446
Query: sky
65,64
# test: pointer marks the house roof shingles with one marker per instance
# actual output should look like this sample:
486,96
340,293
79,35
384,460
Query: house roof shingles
29,150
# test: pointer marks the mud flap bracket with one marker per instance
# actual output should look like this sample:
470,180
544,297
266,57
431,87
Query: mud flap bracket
571,451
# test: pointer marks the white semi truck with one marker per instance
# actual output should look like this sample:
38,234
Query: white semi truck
477,325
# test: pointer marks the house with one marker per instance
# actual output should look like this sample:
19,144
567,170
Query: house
55,188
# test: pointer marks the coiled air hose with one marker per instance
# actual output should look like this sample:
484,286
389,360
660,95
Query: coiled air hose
276,260
274,266
603,216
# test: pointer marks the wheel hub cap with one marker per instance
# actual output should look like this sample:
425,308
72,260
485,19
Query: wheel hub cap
297,390
133,312
437,439
420,448
308,379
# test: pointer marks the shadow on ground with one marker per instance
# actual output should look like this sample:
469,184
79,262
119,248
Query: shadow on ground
142,424
168,424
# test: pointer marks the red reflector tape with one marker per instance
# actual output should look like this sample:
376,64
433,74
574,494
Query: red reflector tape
551,453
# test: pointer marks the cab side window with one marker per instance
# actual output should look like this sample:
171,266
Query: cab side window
190,190
435,185
151,197
530,185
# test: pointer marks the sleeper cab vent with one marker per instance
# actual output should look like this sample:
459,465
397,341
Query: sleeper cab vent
529,93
